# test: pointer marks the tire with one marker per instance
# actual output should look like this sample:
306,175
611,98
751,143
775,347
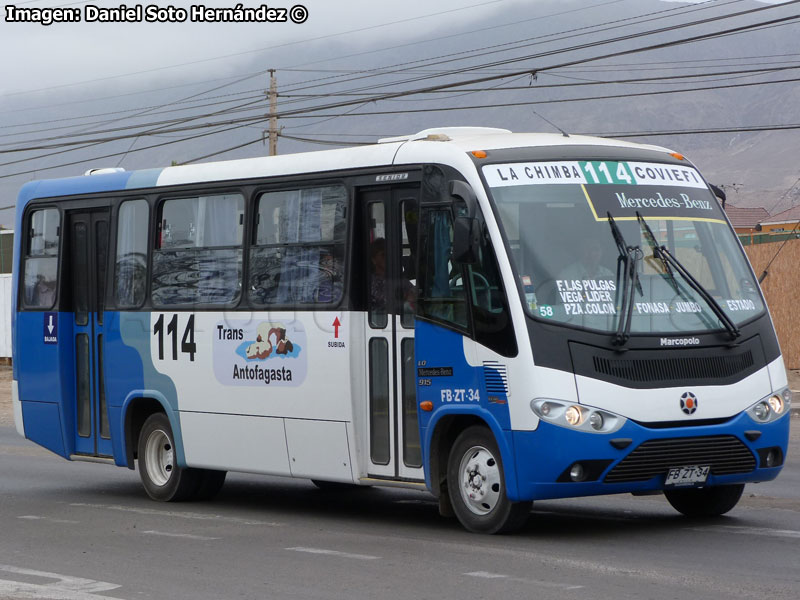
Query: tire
211,482
705,502
476,484
162,479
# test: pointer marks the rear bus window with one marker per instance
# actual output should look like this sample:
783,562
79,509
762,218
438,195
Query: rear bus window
41,260
198,256
298,255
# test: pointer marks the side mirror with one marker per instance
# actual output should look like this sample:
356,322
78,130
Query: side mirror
466,229
719,193
463,192
466,240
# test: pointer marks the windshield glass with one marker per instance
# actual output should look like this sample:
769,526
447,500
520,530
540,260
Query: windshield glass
571,267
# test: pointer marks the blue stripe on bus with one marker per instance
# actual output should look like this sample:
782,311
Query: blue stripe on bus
108,182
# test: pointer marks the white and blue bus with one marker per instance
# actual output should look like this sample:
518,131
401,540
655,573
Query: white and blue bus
496,317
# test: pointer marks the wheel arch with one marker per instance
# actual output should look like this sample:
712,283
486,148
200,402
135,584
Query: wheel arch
442,432
138,406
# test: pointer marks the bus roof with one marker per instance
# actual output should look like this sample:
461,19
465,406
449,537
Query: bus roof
446,143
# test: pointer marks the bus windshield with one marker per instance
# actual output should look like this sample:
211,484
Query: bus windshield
573,226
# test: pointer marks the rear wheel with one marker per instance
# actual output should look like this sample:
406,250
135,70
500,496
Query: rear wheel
476,484
161,477
705,502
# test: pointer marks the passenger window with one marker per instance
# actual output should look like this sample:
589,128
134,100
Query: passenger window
442,293
41,261
198,256
130,275
298,257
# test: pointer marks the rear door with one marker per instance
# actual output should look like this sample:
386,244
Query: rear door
87,243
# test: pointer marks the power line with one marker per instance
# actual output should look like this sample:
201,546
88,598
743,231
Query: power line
432,88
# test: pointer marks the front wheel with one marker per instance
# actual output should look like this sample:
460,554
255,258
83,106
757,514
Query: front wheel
161,477
705,502
476,485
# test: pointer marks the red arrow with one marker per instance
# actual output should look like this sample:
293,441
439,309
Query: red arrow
336,325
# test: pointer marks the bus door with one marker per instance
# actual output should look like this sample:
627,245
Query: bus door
390,240
88,256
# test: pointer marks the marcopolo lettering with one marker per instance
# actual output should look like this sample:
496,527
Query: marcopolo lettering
692,341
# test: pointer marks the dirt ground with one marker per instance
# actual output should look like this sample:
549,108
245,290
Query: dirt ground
7,415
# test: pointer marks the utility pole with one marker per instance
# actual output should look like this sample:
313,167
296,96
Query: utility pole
273,113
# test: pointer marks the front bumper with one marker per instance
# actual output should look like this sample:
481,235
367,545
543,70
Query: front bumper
736,450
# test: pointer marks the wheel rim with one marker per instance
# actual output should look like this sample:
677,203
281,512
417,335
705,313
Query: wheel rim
159,457
479,479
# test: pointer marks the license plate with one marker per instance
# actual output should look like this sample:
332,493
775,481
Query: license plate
680,476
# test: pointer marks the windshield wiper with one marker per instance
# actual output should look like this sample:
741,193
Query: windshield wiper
627,262
663,253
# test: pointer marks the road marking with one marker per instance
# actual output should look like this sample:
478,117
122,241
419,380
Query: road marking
177,514
64,587
787,533
333,553
48,519
551,584
189,536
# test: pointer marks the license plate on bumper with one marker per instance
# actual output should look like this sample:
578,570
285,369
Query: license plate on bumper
687,476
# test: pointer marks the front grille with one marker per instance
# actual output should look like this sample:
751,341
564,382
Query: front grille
725,453
667,369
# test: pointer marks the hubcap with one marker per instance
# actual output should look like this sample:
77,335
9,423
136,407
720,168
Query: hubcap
159,457
479,477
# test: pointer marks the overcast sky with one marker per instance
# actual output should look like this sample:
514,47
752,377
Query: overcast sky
69,53
37,56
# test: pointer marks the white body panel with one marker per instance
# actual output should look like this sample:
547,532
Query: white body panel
663,404
318,449
317,389
235,442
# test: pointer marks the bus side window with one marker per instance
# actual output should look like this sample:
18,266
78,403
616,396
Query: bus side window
130,275
198,256
41,260
442,295
298,255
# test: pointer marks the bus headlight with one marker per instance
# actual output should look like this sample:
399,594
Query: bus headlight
772,407
576,416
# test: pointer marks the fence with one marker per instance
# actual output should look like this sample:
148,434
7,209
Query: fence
782,291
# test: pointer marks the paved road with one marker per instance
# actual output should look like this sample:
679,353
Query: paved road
77,531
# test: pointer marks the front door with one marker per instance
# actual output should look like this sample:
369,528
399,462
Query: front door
390,240
88,255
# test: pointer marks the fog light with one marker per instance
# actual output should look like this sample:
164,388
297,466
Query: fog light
596,421
761,411
776,404
772,458
545,409
577,472
574,416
